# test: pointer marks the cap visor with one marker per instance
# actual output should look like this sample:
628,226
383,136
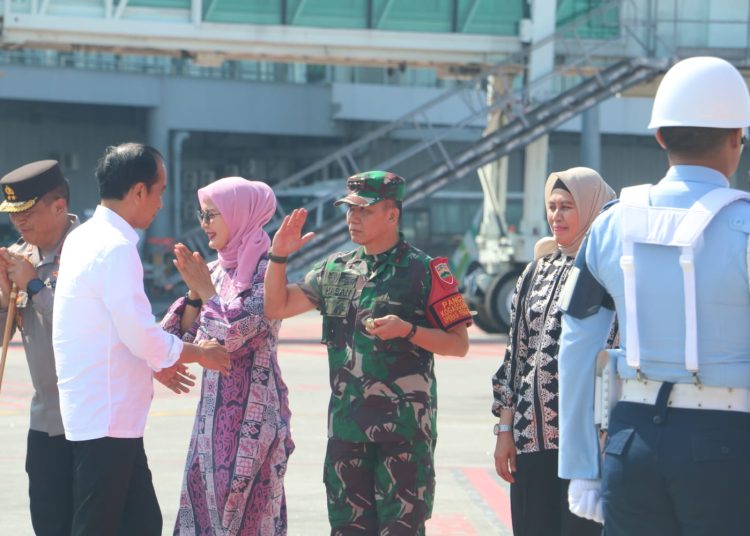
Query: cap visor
353,199
7,206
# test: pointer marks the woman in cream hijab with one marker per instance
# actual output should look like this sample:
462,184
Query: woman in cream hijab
525,387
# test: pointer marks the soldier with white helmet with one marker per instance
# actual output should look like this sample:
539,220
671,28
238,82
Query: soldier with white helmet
672,260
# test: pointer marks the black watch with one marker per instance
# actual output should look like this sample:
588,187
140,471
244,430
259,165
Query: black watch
34,286
198,303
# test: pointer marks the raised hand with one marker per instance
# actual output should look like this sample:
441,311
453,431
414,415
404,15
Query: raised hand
176,378
288,237
194,272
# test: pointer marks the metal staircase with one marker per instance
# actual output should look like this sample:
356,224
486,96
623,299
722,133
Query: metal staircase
593,67
526,125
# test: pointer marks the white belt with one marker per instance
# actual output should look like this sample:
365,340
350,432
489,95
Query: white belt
688,395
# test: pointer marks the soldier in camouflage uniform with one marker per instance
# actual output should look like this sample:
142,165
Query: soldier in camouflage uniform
386,308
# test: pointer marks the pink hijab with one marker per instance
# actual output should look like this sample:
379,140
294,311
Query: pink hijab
246,207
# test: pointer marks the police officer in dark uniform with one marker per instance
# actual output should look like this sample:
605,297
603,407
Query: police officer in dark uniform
36,199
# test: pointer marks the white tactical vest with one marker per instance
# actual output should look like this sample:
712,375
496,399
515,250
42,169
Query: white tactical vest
682,228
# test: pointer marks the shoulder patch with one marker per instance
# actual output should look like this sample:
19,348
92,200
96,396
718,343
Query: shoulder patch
446,307
441,270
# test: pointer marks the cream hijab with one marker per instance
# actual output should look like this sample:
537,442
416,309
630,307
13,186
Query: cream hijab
590,193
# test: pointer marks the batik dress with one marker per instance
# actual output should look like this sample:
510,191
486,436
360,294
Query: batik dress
233,480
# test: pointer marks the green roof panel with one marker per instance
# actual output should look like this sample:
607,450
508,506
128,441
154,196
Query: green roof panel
413,15
161,4
243,11
327,13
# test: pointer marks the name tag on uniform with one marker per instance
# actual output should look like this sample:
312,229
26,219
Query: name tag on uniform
338,292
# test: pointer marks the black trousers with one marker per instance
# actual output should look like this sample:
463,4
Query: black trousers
49,464
539,500
113,494
676,472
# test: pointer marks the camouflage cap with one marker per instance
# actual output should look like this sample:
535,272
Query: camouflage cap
368,188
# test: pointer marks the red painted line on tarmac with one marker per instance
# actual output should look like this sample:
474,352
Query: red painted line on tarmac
17,405
492,492
297,350
451,525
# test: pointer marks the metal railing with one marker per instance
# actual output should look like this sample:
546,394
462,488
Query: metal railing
586,72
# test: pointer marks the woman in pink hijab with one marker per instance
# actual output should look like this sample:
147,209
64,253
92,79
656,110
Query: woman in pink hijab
233,482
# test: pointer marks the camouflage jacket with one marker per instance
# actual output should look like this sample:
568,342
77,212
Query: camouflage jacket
380,390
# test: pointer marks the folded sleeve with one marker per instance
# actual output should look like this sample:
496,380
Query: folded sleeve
311,284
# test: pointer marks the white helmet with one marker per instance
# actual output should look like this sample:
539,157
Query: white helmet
701,92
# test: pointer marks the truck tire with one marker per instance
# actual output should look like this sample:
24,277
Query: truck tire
499,297
484,321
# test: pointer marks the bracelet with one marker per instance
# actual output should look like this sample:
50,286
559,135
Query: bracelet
412,332
192,303
276,258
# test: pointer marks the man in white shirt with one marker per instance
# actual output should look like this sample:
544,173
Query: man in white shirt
108,346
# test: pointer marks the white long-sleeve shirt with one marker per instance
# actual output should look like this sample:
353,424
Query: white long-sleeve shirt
105,338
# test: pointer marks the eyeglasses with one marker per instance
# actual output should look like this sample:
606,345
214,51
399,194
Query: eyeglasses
206,216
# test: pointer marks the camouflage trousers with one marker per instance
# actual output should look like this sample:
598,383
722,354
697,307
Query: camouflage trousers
383,489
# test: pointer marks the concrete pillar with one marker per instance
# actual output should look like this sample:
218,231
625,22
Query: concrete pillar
541,64
178,139
534,223
542,59
591,139
494,181
158,137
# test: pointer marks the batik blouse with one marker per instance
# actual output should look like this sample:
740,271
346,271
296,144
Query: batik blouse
527,380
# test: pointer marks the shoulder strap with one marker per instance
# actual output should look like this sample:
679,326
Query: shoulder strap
667,226
703,211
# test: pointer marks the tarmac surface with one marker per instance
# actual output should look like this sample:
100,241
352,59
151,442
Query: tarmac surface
470,498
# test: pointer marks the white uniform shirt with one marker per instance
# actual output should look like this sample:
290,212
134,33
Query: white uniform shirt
723,298
106,340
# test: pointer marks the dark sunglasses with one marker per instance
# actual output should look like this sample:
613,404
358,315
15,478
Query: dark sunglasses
205,216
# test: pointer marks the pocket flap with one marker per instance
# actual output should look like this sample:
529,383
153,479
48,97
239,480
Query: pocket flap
618,442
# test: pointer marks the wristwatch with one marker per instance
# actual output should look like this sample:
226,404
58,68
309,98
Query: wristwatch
197,303
500,428
34,286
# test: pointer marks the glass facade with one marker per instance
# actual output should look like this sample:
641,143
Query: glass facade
489,17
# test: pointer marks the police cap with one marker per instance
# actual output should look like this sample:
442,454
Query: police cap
24,186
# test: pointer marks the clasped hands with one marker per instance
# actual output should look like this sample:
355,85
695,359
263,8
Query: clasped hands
14,269
194,272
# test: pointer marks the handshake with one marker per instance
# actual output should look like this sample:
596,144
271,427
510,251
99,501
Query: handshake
209,354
